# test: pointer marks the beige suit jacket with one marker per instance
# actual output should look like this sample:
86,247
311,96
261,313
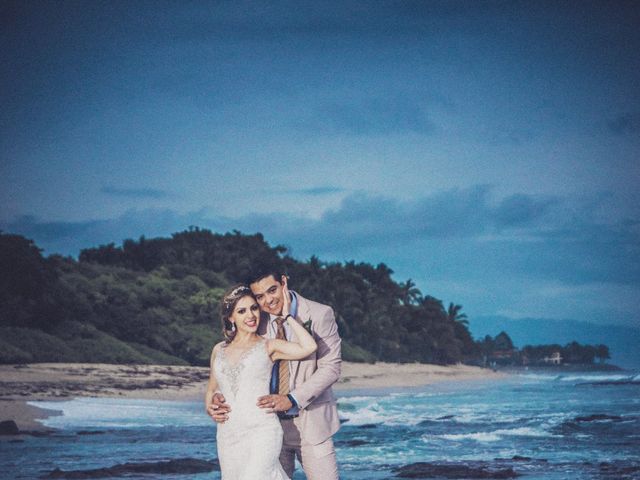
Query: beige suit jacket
314,375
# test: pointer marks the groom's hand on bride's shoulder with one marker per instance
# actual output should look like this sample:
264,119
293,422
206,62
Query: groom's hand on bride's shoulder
218,409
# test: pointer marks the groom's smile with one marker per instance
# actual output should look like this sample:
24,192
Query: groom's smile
268,293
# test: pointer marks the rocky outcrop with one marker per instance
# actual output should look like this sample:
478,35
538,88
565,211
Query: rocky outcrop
598,417
181,466
9,427
454,471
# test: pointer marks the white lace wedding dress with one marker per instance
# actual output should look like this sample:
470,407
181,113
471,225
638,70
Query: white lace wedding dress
249,442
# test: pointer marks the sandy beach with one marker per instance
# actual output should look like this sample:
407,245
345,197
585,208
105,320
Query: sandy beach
20,384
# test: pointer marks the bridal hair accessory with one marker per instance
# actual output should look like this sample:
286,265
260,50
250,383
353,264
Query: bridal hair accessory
234,295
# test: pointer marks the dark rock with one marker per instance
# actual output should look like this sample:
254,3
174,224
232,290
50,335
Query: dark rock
39,433
351,443
89,432
446,417
181,466
598,417
520,458
630,470
627,381
368,425
9,427
619,470
453,471
527,459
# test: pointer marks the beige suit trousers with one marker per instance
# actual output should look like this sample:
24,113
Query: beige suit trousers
318,461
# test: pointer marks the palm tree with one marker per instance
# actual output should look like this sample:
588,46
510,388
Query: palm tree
454,315
602,353
409,293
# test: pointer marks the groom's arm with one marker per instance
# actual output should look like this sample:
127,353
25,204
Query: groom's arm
329,360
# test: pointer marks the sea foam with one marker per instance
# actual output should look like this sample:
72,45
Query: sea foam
89,412
494,435
593,378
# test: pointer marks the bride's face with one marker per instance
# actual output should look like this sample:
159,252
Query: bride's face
246,314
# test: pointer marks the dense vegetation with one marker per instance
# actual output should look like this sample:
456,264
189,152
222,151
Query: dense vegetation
156,301
499,350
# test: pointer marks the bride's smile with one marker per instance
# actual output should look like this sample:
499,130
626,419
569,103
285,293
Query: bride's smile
246,315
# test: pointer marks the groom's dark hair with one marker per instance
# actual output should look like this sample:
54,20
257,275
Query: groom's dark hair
258,273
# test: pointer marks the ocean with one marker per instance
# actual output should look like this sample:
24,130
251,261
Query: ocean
539,425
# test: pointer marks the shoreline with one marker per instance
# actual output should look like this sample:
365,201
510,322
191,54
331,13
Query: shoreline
63,381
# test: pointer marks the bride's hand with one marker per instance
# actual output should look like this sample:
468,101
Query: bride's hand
286,297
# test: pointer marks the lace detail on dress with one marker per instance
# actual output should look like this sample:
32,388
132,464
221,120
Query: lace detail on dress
233,371
234,375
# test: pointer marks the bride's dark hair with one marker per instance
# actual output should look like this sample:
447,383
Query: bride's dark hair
227,304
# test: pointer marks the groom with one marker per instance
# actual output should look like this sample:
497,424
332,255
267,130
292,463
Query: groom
306,406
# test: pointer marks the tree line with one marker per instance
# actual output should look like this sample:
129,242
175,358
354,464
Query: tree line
156,301
499,350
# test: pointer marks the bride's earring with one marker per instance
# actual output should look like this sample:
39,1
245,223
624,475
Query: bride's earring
233,326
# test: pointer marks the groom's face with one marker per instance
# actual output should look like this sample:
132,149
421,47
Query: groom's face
269,295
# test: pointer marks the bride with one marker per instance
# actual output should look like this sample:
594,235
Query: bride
249,441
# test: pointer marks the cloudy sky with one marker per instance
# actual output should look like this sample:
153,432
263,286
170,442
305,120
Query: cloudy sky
486,150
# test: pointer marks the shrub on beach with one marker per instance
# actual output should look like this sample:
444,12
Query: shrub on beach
156,357
12,354
90,345
353,353
105,349
200,339
41,346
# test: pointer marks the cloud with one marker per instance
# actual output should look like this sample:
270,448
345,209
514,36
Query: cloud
522,253
457,213
625,124
457,235
46,232
368,117
469,233
521,209
69,238
276,21
318,191
135,192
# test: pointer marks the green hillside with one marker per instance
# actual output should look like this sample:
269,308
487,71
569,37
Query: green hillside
156,301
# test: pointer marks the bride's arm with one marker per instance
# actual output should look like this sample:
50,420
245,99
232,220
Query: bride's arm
212,386
284,350
213,408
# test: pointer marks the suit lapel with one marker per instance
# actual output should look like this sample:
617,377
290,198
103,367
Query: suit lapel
303,315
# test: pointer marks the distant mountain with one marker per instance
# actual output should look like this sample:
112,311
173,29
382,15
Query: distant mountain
623,341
